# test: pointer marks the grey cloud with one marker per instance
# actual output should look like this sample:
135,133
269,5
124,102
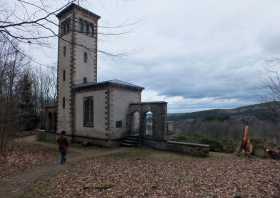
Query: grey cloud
193,49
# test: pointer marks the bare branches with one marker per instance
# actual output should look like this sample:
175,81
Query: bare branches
11,24
37,25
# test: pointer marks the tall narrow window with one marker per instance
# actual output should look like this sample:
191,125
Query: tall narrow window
88,111
65,26
64,75
87,28
92,29
63,102
64,51
81,25
85,79
85,57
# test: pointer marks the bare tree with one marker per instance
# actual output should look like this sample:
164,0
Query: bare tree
11,63
44,87
272,88
36,24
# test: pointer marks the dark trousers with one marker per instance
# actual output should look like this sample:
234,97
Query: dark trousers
62,157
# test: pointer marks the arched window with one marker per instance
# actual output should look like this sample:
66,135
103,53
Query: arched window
149,123
135,125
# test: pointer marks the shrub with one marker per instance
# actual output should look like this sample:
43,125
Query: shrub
215,145
229,146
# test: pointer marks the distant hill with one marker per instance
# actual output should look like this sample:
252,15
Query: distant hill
263,111
264,122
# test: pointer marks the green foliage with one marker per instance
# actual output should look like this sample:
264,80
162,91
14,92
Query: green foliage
215,145
217,118
229,145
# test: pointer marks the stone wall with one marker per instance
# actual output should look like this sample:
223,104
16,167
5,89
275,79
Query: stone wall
99,117
120,99
198,150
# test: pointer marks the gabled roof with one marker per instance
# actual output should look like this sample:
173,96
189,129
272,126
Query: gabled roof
75,6
110,83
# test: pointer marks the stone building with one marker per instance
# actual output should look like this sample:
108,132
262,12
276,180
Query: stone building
106,113
103,112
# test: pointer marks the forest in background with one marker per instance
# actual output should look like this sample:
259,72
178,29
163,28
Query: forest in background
24,90
222,128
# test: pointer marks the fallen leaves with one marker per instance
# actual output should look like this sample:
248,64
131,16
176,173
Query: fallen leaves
24,156
169,177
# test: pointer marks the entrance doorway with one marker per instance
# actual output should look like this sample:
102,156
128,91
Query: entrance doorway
135,126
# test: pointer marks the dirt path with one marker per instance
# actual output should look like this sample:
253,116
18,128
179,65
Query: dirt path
16,186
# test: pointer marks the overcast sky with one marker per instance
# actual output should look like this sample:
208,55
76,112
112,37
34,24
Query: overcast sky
194,54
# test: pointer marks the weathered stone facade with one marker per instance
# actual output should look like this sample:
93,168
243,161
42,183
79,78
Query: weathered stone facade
111,104
72,69
102,112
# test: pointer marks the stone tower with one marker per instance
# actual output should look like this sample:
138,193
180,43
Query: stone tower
77,59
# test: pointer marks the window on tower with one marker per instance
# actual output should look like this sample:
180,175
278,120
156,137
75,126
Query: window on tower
92,29
64,51
63,102
64,75
81,25
86,27
85,57
65,26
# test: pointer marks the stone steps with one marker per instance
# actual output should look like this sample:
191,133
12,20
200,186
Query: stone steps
130,141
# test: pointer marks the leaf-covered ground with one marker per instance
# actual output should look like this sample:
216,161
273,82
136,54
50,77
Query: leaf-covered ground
147,173
24,156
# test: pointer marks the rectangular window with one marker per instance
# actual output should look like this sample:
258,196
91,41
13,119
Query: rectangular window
64,75
88,111
119,124
81,25
64,51
92,29
63,102
85,79
87,28
65,26
85,57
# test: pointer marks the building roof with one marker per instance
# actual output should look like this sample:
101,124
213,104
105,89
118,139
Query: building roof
109,83
75,6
